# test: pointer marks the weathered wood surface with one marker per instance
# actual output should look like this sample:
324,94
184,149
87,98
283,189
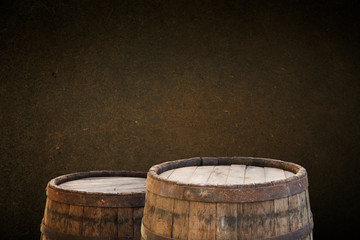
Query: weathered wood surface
236,174
225,175
63,220
166,217
106,185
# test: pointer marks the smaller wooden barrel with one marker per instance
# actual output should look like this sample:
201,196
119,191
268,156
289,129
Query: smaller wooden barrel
227,198
94,205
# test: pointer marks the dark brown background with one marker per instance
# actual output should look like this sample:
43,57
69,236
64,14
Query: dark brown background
93,85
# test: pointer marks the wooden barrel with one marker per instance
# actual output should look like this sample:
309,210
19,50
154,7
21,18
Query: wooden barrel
94,205
227,198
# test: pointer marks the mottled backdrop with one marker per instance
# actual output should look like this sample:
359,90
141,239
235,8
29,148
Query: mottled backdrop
94,85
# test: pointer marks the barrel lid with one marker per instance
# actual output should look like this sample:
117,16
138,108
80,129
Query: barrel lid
222,175
106,185
227,179
99,188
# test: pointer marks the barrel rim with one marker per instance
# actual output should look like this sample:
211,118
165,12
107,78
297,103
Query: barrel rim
227,193
97,199
208,161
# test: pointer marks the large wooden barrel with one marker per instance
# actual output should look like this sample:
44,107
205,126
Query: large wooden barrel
94,205
227,198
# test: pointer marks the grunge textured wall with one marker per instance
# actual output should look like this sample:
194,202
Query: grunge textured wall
95,85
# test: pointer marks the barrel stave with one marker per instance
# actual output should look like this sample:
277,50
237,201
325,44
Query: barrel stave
162,218
202,217
125,222
180,219
74,224
227,221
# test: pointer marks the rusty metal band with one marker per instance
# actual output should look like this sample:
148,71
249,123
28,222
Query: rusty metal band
223,193
49,233
72,197
301,233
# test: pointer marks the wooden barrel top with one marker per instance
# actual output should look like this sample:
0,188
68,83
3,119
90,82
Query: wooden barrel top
99,189
227,179
106,185
233,174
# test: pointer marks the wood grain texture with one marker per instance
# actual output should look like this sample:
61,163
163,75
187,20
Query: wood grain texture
294,211
225,174
66,220
92,221
201,220
219,175
59,220
137,218
125,222
166,174
149,210
281,207
75,219
201,175
182,175
202,217
162,218
257,220
236,174
180,219
226,221
106,185
273,174
254,175
188,213
108,226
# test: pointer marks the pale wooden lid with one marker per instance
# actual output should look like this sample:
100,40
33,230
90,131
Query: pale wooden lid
233,174
233,185
113,185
